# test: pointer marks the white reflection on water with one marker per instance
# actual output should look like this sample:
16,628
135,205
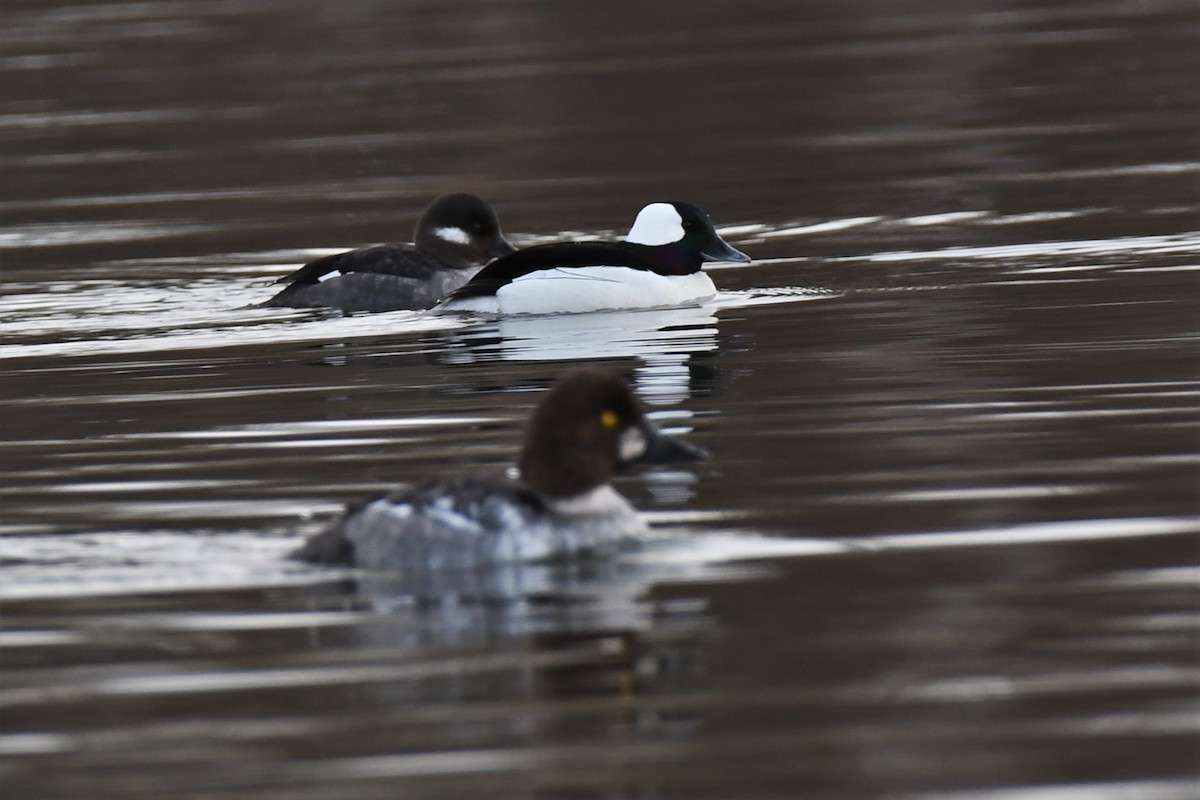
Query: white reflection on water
994,492
160,511
1148,245
663,340
989,687
49,234
1107,171
666,341
944,218
124,486
1138,580
1117,790
120,320
302,428
412,765
819,227
120,563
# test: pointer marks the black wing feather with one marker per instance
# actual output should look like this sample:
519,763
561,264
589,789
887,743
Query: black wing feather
402,260
508,268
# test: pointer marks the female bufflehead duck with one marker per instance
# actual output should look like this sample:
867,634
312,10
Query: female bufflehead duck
657,266
457,234
588,426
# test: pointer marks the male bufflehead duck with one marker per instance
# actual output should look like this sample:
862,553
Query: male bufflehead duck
657,266
587,427
454,238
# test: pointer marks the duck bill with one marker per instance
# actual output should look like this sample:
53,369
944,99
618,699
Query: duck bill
663,449
501,247
719,250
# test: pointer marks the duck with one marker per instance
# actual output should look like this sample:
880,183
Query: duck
658,265
454,237
559,505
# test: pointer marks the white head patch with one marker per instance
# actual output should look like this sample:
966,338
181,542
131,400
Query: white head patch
455,235
657,223
631,445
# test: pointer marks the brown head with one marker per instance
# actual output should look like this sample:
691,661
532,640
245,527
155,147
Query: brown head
587,427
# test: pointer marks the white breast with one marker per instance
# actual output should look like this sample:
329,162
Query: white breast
579,289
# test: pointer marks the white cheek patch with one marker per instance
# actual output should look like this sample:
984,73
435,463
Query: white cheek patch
631,445
328,276
455,235
657,223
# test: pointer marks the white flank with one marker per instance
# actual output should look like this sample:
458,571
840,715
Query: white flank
572,290
329,276
657,223
455,235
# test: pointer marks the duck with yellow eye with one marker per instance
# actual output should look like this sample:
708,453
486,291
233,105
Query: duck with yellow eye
562,506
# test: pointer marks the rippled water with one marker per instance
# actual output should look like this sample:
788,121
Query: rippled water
946,546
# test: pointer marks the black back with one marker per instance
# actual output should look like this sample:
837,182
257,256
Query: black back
402,260
667,259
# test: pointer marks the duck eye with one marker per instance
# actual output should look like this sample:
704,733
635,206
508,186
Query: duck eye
610,419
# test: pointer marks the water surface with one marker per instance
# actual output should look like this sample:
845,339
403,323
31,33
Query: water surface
945,548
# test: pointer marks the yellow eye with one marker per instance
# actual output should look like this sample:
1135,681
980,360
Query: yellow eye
609,419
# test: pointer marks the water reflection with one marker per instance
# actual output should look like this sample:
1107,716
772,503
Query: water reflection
519,600
670,345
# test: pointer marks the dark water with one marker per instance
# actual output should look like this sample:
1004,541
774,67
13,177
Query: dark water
946,547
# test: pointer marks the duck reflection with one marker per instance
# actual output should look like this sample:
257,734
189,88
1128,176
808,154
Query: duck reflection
508,600
673,346
611,628
470,606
